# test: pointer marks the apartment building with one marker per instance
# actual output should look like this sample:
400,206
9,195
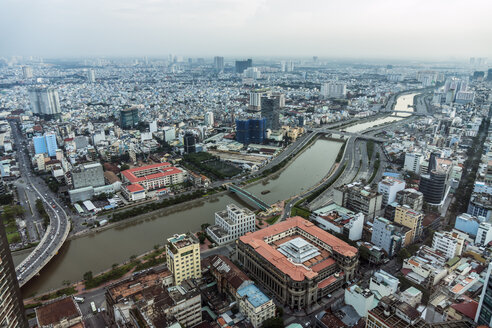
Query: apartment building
358,198
255,304
448,243
388,187
410,218
183,257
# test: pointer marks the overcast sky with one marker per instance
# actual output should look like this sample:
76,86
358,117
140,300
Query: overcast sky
343,28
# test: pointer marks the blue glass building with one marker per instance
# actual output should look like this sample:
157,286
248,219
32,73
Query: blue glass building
251,131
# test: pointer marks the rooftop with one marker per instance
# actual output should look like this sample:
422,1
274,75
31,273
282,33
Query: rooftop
254,294
54,312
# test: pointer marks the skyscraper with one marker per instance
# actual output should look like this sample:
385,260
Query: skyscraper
27,72
209,119
484,311
489,74
251,131
219,64
333,90
91,76
11,307
189,143
241,65
270,109
46,144
44,101
129,118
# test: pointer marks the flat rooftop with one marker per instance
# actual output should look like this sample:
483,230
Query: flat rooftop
254,294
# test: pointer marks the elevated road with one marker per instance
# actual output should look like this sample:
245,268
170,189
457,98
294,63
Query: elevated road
58,229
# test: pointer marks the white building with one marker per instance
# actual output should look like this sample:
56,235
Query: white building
169,133
231,224
334,90
448,243
411,296
362,300
413,161
255,305
44,101
209,119
383,284
340,220
153,126
388,187
484,234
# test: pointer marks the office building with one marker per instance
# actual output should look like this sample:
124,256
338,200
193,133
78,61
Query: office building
154,176
468,223
242,65
450,244
484,311
340,220
219,64
413,162
410,197
231,223
410,218
189,141
433,186
60,313
91,75
11,306
358,198
484,234
251,131
255,304
480,205
46,144
27,72
389,236
129,118
388,187
44,101
88,174
334,90
183,257
297,262
209,119
270,110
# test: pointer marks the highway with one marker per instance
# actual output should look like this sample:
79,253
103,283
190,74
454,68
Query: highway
59,227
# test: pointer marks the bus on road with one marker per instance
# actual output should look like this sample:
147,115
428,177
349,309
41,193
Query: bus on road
93,307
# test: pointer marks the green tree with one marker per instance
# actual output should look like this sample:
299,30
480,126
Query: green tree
88,276
277,322
403,254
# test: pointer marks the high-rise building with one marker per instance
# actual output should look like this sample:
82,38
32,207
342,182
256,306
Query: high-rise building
11,307
410,218
413,161
334,90
189,141
411,197
270,109
241,65
489,74
433,186
91,75
45,144
484,311
251,131
357,198
27,72
44,101
88,174
231,224
388,187
219,63
209,119
183,257
129,118
450,244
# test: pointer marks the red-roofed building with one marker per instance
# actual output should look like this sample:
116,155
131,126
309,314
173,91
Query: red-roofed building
60,313
296,261
154,176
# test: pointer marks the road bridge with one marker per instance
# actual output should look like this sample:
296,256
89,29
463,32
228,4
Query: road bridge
248,197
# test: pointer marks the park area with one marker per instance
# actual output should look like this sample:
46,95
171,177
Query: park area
208,164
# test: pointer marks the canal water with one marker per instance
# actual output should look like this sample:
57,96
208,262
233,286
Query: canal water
99,251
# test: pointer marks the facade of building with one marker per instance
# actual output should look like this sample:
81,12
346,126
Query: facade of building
154,176
183,257
88,174
219,63
388,187
340,220
362,300
383,283
45,102
27,72
413,161
358,198
468,223
411,197
296,261
129,118
410,218
231,223
334,90
480,205
484,234
251,131
241,65
389,236
209,119
11,306
270,110
255,305
45,144
433,186
189,141
484,311
448,243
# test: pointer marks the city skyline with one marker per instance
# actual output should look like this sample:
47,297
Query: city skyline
358,29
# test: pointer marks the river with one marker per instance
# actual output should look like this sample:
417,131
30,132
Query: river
402,104
98,251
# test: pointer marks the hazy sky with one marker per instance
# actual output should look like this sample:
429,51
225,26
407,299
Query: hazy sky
240,28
